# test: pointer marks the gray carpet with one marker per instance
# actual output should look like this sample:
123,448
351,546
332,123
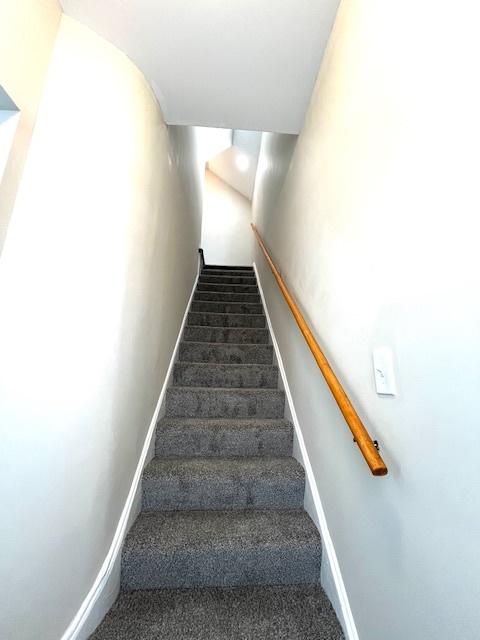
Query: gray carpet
222,547
247,613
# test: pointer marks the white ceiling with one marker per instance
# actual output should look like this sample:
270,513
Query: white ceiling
241,64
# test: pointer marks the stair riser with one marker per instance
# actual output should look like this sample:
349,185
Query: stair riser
227,279
226,320
224,403
223,441
221,296
227,567
241,335
227,288
175,494
226,307
224,273
228,376
225,353
222,267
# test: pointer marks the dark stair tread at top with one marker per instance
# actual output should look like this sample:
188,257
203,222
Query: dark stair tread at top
225,353
197,318
227,288
212,437
216,402
227,296
299,612
221,548
228,267
211,306
223,483
204,374
227,279
239,273
235,335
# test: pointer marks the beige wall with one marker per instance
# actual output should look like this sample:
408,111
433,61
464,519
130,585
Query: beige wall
227,238
27,34
375,229
96,272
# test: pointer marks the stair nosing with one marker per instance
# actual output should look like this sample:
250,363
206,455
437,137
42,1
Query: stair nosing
222,313
209,326
242,302
225,364
229,389
229,344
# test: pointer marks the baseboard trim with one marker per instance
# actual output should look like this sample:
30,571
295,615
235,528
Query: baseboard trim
80,620
345,615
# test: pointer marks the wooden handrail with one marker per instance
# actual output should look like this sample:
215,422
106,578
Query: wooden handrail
360,434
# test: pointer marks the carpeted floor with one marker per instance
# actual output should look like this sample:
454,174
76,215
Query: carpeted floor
245,613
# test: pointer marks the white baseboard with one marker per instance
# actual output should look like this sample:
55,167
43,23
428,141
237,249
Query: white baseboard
106,586
331,574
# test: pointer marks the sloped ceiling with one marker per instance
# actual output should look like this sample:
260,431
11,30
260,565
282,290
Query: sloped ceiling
246,148
242,64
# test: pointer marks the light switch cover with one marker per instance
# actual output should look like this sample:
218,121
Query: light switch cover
384,371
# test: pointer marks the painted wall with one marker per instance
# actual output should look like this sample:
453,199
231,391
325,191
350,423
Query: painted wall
237,165
375,228
27,34
226,233
97,268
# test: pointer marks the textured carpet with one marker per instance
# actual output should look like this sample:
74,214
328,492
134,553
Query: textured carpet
247,613
223,548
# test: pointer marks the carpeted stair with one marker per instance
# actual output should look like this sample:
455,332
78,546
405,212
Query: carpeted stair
222,548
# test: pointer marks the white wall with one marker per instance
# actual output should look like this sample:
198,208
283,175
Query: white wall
226,233
375,229
27,33
96,271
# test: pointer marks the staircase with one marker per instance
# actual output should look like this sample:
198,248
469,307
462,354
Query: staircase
223,548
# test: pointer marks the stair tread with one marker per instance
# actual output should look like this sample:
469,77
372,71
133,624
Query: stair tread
232,365
221,483
227,280
226,335
241,468
232,329
230,303
229,267
298,612
218,352
242,390
245,376
239,275
201,548
223,314
209,306
223,272
220,423
165,531
180,437
232,288
225,344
